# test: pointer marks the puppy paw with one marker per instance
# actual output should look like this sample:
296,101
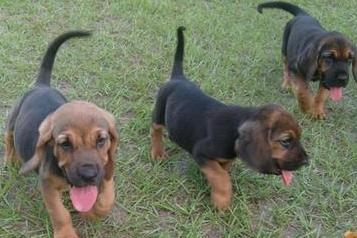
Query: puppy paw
96,213
158,153
68,232
319,114
350,234
221,202
91,215
286,86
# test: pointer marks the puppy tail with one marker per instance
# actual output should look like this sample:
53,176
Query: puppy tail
44,76
293,9
177,70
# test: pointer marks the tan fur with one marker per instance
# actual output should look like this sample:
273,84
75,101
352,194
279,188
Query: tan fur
277,150
220,183
51,189
350,234
319,103
286,76
82,123
157,144
302,93
11,156
225,163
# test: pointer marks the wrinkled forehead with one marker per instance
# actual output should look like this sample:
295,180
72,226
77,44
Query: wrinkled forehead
339,47
80,127
80,118
284,123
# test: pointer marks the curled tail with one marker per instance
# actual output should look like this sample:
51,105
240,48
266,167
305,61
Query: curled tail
293,9
177,69
44,76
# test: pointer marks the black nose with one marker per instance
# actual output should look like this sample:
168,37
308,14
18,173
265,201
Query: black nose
305,160
88,172
342,77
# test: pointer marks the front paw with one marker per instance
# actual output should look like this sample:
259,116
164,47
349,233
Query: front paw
95,214
158,153
319,114
67,232
220,201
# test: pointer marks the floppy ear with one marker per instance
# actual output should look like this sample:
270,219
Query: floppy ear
307,61
354,64
253,147
45,135
114,141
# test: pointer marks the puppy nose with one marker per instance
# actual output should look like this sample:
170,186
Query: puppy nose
88,172
342,77
305,160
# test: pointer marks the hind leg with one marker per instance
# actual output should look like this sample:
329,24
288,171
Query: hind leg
11,156
286,77
157,143
157,127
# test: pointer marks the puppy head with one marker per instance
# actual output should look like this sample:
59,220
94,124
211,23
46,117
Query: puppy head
84,140
331,58
269,142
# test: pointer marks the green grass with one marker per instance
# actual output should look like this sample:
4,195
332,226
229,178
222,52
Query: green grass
233,53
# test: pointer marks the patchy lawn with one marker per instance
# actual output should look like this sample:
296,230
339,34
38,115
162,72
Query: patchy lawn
233,53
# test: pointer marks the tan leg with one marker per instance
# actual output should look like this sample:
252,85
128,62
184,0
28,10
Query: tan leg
60,217
157,144
350,234
286,77
11,156
220,183
319,103
302,94
225,163
104,201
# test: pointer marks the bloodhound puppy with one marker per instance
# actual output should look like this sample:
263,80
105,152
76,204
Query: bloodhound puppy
267,138
72,145
350,234
310,53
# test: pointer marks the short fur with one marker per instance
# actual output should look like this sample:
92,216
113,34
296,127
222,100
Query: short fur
215,133
67,143
310,53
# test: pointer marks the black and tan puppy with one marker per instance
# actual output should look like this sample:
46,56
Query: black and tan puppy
310,53
71,145
267,138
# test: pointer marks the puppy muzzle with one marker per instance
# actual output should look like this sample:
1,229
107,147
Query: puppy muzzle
85,174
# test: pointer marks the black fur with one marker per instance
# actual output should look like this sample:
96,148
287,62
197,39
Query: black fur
38,103
305,43
208,129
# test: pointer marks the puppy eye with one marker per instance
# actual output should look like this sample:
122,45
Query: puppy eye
286,143
65,145
328,60
101,141
326,55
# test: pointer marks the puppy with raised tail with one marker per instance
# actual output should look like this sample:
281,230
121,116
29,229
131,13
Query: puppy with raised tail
267,138
72,146
310,53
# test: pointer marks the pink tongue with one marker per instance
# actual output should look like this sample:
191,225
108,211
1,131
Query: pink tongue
336,94
287,177
83,198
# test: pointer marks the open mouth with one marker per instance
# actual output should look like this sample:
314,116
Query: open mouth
286,175
83,198
335,93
